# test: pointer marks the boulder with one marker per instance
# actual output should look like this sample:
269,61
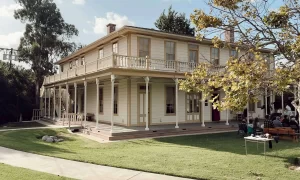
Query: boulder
49,139
45,137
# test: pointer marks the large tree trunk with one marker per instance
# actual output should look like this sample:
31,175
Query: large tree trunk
37,94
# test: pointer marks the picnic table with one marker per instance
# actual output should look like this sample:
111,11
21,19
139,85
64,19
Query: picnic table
257,140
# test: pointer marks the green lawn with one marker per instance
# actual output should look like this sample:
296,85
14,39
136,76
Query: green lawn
16,173
214,156
17,125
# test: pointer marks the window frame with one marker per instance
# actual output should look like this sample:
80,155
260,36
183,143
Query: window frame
99,53
82,61
193,49
61,68
236,53
101,102
138,45
165,48
252,105
117,47
211,53
71,65
165,102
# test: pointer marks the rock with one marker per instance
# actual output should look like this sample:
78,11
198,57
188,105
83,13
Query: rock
59,140
45,137
49,139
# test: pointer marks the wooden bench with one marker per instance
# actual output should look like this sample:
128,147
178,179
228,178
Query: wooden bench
283,133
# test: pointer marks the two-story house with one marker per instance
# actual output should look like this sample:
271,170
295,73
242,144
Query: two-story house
130,78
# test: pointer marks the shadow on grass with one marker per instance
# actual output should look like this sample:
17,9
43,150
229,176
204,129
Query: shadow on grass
31,140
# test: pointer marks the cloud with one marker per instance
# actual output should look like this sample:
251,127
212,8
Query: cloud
8,10
79,2
111,17
10,40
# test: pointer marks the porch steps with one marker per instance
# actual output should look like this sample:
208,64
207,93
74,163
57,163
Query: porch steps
157,133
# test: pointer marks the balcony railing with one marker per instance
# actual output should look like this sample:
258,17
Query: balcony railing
124,62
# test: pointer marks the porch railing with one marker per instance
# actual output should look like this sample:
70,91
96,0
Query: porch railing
72,118
36,114
124,62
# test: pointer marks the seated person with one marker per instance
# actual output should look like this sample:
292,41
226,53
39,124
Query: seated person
243,127
268,123
285,121
277,122
256,126
250,127
294,124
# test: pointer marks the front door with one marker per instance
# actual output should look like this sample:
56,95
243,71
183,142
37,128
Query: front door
193,107
215,113
142,105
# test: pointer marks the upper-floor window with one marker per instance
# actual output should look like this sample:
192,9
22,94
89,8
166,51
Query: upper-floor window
251,107
82,62
71,65
144,47
233,53
62,68
115,47
215,56
76,62
101,54
170,50
193,53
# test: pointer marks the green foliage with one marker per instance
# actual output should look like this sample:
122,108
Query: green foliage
174,22
16,93
46,38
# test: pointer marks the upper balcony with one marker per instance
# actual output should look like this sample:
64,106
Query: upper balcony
125,62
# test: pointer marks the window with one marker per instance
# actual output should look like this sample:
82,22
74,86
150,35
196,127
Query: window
115,47
71,65
76,62
82,61
62,68
233,53
116,100
100,100
193,53
101,54
170,100
214,57
170,50
251,107
144,47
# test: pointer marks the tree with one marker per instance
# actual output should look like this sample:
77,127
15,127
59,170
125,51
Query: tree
47,37
174,22
256,28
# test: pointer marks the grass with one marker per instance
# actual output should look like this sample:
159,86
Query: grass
214,156
17,125
16,173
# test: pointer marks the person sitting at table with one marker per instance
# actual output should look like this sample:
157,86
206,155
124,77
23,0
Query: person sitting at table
256,126
294,124
285,121
250,126
277,122
268,123
243,128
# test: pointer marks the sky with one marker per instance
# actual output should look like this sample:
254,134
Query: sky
91,16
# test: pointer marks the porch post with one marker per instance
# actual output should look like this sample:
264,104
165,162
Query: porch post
67,102
203,125
59,111
54,102
146,103
112,102
49,106
248,112
282,103
45,103
85,92
266,101
295,96
227,114
97,103
75,98
177,109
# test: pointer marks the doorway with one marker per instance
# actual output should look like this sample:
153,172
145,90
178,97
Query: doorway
193,107
141,104
215,113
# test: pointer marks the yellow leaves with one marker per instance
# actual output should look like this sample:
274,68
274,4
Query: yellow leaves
203,20
229,4
218,43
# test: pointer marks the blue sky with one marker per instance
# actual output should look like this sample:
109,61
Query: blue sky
91,16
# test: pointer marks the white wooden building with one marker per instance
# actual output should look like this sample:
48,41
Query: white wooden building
130,78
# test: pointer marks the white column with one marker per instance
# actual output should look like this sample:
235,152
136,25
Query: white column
45,93
54,102
112,102
203,125
282,103
59,110
295,96
97,103
177,106
67,102
248,112
146,103
85,92
266,101
75,98
227,117
49,106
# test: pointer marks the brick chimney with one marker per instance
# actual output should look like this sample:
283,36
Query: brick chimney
229,35
110,28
